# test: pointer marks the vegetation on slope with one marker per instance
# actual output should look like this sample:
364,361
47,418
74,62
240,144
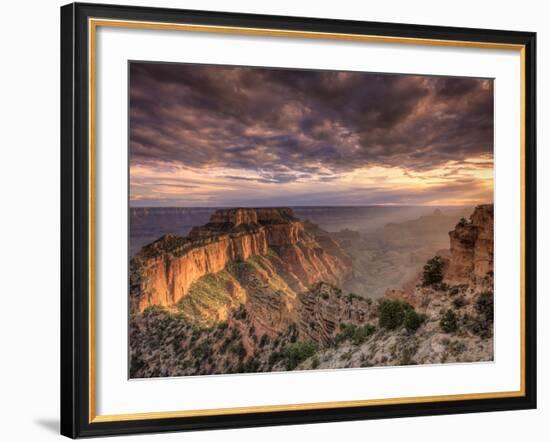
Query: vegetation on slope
209,295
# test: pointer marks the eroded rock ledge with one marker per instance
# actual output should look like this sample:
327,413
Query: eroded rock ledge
471,247
164,271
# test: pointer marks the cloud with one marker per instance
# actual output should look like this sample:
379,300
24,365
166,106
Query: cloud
292,126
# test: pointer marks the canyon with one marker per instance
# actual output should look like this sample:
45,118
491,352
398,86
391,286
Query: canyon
260,290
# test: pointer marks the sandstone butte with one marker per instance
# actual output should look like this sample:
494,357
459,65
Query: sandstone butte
164,272
471,248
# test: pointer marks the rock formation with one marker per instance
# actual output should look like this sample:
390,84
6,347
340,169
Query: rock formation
471,248
324,308
456,312
164,272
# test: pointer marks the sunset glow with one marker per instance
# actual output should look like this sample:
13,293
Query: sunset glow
208,136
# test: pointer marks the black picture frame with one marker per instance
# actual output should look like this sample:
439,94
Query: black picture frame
75,220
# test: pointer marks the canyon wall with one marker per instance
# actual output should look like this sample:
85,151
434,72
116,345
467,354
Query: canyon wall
167,277
471,247
164,271
324,308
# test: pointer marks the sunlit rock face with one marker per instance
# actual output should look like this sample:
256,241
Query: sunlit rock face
240,216
164,272
168,277
235,217
471,245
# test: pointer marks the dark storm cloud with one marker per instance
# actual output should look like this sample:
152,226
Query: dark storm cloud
285,125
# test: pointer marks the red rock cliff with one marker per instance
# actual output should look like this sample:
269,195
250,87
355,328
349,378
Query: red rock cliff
471,247
164,271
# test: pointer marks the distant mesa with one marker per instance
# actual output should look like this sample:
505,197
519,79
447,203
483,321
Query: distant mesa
252,216
239,219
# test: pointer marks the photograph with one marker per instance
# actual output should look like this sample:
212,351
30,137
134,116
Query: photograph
279,220
274,221
297,219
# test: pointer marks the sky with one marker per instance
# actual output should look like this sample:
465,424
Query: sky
211,136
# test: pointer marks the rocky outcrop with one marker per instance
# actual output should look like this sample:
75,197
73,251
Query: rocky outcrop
164,272
471,247
324,308
253,216
165,278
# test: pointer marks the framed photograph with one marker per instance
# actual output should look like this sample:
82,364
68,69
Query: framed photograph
279,220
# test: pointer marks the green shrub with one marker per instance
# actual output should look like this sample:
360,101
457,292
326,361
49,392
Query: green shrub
391,313
485,305
356,334
456,348
264,340
315,362
292,332
459,302
346,356
275,357
298,352
449,322
480,326
453,291
251,366
412,320
201,351
225,345
352,296
239,350
433,271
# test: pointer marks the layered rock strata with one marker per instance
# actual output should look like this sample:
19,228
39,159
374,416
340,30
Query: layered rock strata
471,246
164,272
324,308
